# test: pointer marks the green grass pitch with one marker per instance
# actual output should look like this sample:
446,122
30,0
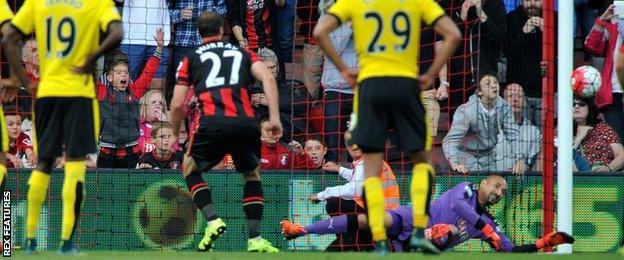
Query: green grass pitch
151,255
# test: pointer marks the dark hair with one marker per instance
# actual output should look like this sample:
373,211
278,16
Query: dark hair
482,76
114,64
316,137
593,111
114,58
11,109
486,74
209,24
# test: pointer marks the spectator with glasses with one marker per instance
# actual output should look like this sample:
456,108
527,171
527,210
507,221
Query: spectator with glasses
152,110
595,139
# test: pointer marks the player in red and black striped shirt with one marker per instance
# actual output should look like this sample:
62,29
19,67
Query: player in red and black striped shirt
221,73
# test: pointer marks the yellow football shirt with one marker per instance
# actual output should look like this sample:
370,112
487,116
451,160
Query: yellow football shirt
67,31
5,12
387,33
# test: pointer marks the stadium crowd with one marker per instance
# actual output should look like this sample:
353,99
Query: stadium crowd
481,126
485,109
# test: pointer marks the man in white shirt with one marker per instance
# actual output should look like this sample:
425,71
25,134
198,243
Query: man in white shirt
341,200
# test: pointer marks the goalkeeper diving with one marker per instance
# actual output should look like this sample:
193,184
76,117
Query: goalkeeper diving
458,215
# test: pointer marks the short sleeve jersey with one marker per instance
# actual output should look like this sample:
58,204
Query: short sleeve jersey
221,74
5,12
66,32
387,33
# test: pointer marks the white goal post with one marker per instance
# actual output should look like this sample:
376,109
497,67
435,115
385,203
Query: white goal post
565,62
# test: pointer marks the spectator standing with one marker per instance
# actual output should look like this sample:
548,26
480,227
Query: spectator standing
24,99
119,99
603,41
184,15
584,17
482,25
337,94
251,21
308,12
139,19
523,49
432,97
292,100
284,24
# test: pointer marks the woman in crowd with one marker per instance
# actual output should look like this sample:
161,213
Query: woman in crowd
153,110
595,139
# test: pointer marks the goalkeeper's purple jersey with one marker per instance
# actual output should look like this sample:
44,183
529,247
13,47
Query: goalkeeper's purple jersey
458,206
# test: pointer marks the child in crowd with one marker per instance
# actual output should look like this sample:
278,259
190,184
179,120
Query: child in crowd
152,110
20,145
119,111
163,156
316,150
276,156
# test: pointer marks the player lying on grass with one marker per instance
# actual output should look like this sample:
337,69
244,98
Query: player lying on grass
458,215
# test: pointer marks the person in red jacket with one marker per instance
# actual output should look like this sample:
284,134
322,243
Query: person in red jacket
276,156
603,41
119,111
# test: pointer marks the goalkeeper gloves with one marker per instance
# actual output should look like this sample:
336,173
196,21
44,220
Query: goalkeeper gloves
554,239
492,237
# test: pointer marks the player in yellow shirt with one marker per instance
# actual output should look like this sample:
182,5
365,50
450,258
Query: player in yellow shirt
5,14
66,112
387,40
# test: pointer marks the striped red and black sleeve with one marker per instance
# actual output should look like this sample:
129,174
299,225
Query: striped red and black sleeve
182,74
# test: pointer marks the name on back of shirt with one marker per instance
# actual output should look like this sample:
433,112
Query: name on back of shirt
215,45
75,3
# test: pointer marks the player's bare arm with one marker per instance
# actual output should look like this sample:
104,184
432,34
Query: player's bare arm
114,34
326,25
11,84
12,48
269,85
449,31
